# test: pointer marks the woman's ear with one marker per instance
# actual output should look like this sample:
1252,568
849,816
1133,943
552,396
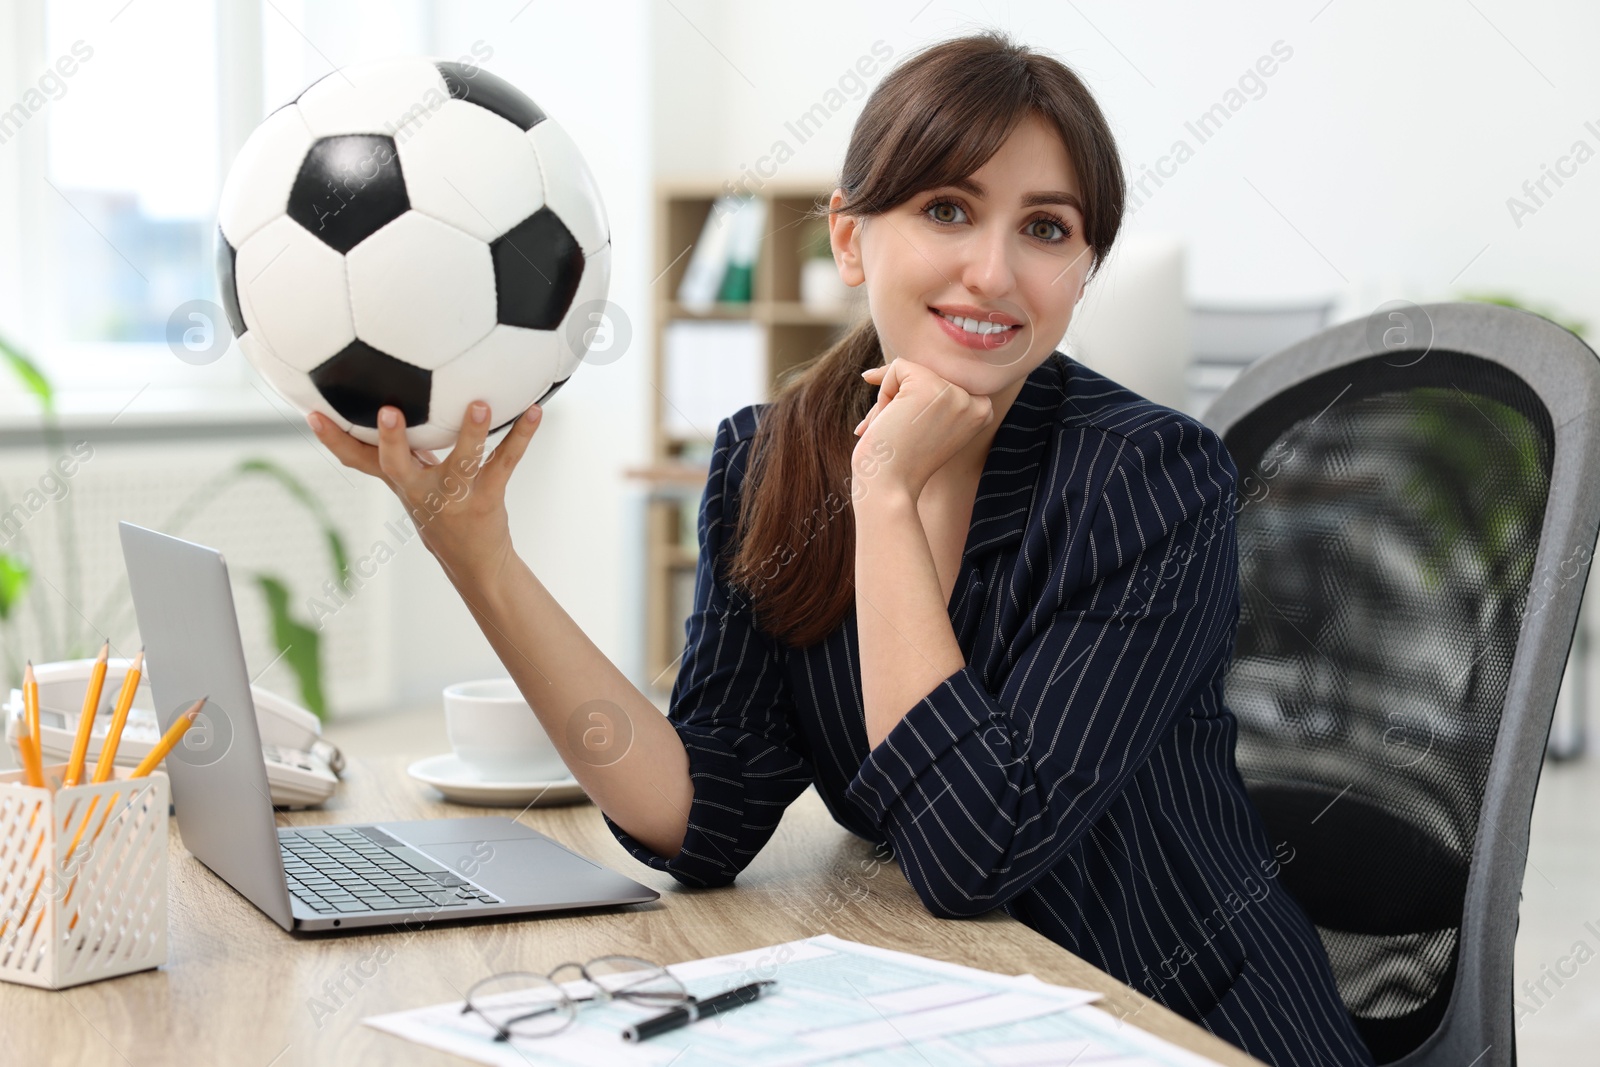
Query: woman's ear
844,233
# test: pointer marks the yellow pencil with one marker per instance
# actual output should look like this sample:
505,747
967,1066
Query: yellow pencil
30,707
169,740
67,860
91,704
119,719
30,761
32,764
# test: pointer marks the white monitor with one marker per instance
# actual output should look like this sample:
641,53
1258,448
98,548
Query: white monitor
1133,322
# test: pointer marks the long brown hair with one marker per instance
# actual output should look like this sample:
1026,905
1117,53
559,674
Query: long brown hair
936,118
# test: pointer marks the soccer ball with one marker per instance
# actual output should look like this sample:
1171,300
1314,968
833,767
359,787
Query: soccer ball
414,232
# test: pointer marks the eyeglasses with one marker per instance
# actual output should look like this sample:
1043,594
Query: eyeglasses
525,1004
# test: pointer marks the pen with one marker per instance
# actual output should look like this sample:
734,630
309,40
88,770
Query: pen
688,1013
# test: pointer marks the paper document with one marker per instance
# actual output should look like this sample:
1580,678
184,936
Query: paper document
711,370
836,1001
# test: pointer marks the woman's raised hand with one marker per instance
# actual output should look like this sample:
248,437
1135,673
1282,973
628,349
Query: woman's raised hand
458,504
920,419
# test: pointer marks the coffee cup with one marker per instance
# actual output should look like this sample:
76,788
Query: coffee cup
496,734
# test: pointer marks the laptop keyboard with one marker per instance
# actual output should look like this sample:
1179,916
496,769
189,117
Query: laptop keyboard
360,869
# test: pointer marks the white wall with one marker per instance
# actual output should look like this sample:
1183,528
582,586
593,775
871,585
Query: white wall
588,66
12,84
1376,163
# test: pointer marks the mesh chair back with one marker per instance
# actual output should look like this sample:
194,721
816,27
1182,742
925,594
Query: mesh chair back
1415,522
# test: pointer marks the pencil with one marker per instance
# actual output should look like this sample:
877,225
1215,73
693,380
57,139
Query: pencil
30,705
91,704
119,719
77,837
169,740
35,775
105,817
31,762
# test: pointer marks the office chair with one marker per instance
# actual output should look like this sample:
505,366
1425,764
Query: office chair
1417,509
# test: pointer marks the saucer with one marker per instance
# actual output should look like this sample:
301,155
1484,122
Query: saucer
465,785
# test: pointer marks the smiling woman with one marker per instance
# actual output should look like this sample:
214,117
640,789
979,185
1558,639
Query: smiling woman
971,662
947,142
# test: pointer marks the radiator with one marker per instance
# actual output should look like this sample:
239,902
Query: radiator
256,524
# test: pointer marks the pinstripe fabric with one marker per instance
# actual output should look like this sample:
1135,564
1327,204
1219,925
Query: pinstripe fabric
1078,771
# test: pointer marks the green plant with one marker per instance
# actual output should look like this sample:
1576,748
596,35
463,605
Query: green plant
300,644
1483,456
1473,485
32,378
16,565
14,575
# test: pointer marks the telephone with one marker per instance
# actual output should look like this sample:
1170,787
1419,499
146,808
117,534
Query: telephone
302,769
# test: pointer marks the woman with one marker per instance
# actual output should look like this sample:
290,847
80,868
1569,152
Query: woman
994,614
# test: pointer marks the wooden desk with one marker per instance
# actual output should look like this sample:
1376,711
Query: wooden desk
237,989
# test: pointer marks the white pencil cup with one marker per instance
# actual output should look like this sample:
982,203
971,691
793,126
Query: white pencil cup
100,912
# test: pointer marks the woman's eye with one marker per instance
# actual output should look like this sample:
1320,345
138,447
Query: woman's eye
1049,230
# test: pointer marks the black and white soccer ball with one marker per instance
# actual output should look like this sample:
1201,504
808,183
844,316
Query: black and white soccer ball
414,232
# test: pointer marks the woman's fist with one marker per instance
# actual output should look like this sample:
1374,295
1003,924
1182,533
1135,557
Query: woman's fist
921,418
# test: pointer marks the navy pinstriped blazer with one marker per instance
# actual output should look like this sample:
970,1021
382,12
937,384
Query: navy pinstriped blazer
1078,771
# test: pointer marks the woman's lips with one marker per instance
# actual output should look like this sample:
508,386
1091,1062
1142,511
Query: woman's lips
985,341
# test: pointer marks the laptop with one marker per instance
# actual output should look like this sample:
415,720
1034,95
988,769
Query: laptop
385,874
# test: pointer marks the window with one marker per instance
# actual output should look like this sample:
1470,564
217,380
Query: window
131,168
120,168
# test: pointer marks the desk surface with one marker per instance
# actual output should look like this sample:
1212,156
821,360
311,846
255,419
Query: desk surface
237,989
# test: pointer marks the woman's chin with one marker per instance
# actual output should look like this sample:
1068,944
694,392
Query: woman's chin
969,372
976,370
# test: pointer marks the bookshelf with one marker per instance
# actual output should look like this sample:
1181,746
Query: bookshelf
793,333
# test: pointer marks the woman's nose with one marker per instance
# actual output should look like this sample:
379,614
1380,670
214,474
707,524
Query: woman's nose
987,268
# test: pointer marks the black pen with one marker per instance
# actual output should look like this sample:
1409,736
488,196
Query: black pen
700,1009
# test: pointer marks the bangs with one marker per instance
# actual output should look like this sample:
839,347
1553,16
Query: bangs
926,148
944,113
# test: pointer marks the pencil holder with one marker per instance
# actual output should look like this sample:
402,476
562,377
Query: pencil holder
83,878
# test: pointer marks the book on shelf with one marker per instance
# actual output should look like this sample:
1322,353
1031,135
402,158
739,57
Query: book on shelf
722,265
702,278
744,242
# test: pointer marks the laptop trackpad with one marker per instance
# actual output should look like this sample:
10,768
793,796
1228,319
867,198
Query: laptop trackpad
524,871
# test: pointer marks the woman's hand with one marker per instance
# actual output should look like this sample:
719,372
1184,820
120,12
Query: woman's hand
459,504
923,419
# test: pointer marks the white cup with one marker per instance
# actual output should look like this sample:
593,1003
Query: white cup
496,734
